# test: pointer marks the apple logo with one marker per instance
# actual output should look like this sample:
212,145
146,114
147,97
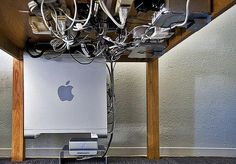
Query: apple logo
65,92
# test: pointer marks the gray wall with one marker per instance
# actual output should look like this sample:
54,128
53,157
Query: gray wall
197,99
5,101
198,87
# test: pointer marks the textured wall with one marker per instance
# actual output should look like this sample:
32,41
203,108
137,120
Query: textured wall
197,95
198,88
130,88
5,99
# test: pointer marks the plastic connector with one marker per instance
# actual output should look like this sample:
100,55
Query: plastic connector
78,27
61,23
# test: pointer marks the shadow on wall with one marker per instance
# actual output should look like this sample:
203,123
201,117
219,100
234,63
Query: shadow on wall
130,89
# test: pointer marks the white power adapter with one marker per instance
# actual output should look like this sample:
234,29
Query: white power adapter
123,14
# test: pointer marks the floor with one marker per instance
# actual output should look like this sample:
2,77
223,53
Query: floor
139,160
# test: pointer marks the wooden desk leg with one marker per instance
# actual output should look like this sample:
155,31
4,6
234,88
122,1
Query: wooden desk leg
153,139
17,112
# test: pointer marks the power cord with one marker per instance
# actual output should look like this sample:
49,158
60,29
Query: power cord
83,63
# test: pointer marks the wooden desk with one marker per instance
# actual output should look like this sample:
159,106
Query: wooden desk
14,30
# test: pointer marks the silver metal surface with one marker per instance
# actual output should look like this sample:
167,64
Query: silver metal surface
84,111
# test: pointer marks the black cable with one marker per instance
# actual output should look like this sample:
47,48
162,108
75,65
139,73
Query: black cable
80,61
109,144
111,73
30,46
110,95
37,54
112,89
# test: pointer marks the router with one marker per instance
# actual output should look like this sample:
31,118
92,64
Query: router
85,144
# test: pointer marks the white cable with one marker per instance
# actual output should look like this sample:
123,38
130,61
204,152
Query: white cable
57,43
61,30
76,20
68,42
60,45
135,28
186,15
90,12
185,21
124,39
85,50
75,14
45,21
106,11
32,5
55,18
80,26
107,38
99,53
43,16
